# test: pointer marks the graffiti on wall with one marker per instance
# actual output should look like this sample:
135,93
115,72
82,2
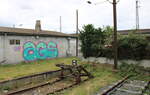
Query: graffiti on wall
17,48
41,50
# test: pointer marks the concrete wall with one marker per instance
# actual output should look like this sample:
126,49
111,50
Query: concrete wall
79,50
1,49
32,48
72,47
103,60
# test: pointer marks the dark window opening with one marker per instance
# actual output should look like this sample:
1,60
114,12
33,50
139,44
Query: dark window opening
12,42
17,42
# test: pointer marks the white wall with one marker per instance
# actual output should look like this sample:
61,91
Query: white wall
14,53
73,47
1,49
103,60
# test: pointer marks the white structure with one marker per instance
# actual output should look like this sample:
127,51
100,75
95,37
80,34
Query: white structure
17,44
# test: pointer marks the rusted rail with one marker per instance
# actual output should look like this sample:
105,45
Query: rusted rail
146,87
31,88
116,85
127,86
76,72
21,92
67,87
27,80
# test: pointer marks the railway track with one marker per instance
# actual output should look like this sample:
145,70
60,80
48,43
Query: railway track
147,89
123,87
63,81
46,88
127,87
33,89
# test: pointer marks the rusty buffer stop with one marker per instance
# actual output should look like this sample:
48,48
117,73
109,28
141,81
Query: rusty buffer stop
76,71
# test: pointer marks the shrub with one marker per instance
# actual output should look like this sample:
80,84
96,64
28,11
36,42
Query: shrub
132,47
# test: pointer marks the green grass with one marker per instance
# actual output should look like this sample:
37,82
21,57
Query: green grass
23,69
137,72
103,76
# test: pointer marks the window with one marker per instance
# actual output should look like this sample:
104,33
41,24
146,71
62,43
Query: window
14,42
17,42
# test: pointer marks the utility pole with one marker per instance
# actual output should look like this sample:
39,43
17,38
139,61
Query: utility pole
77,29
60,24
137,14
115,43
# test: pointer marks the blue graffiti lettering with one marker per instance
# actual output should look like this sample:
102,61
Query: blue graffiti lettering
33,52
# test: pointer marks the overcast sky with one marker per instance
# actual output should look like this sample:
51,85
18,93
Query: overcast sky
26,12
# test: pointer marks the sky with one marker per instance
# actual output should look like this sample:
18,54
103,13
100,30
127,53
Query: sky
24,13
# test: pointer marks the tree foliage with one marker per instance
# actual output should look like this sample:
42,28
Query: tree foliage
97,42
92,40
133,46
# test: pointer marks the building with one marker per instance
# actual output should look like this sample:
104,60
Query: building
18,44
145,32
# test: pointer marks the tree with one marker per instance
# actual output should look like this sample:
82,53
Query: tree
108,30
92,41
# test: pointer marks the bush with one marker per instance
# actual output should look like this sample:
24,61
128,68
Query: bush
107,52
133,47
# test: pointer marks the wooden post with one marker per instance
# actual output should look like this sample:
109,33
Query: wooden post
115,46
77,33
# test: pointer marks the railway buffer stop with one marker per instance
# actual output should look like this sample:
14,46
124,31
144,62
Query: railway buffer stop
76,71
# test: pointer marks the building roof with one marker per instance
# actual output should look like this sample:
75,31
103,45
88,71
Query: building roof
22,31
140,31
125,32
